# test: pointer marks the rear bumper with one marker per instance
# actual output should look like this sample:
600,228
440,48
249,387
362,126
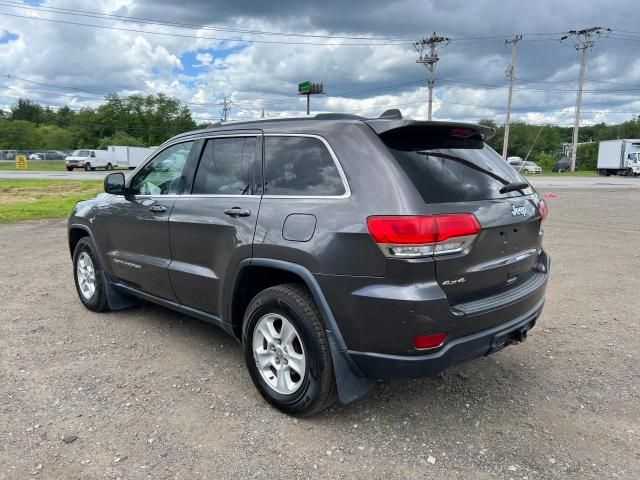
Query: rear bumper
457,351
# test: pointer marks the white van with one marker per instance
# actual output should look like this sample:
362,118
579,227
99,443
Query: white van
91,159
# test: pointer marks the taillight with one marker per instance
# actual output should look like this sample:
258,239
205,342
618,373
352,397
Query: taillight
544,210
408,236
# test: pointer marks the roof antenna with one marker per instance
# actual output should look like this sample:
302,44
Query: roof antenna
394,113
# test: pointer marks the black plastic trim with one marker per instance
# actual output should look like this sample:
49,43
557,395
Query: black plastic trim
456,351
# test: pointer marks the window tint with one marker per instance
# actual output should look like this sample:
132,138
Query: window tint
442,180
300,166
226,166
163,174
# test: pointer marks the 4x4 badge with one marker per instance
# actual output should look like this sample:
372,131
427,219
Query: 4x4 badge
520,210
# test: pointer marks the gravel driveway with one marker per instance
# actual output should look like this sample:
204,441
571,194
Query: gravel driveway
148,393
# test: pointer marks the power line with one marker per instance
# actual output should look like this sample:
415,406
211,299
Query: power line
180,35
191,26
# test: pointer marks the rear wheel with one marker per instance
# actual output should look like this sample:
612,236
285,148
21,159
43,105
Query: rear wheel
88,277
69,169
87,167
287,352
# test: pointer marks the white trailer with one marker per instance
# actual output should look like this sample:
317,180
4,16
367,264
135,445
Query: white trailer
130,157
619,157
90,159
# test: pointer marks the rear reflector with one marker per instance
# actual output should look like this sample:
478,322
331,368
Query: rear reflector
429,341
421,229
544,210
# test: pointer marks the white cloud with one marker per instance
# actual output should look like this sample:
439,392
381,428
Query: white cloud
260,75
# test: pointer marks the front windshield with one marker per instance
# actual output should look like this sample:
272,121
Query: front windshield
530,164
80,153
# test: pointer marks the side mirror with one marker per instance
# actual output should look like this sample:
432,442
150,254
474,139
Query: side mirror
114,183
93,154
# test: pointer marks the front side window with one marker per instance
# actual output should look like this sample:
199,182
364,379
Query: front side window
163,174
300,166
226,167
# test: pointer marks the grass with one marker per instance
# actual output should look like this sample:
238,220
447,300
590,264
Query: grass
35,199
39,165
577,173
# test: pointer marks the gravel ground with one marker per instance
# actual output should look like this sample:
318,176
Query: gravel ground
148,393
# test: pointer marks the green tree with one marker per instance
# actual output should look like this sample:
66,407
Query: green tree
546,161
120,138
587,156
53,137
27,110
19,135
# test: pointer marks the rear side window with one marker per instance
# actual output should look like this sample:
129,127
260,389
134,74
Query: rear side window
442,180
300,166
226,167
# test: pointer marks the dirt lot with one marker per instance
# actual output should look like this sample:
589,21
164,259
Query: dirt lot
152,394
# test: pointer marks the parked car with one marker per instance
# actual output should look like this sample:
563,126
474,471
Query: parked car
36,156
328,273
54,155
90,160
7,154
527,167
563,165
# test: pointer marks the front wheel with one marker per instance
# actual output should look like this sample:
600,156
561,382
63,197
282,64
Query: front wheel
88,277
109,166
286,350
87,167
69,169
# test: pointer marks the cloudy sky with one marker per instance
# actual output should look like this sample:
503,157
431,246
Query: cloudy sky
255,52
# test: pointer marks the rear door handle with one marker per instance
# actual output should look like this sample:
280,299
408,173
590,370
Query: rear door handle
236,212
158,208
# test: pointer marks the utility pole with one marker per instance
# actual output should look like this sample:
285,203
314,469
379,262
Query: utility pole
510,75
430,61
226,108
583,40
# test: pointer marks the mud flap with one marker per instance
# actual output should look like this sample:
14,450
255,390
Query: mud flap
350,386
117,300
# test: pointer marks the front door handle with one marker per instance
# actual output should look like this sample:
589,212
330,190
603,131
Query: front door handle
157,208
236,212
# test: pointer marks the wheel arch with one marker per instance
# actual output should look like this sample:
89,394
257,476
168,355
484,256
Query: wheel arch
76,233
350,381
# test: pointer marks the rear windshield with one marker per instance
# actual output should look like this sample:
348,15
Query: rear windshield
442,180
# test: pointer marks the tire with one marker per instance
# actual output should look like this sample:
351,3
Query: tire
97,300
313,391
87,167
109,167
69,169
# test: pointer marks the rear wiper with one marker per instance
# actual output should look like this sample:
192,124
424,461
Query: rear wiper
508,186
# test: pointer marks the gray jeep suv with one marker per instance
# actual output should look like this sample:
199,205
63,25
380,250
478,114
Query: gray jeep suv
337,249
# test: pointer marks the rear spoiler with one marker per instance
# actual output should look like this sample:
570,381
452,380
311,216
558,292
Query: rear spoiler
414,134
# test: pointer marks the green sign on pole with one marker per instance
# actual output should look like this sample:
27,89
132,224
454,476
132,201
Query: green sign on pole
304,87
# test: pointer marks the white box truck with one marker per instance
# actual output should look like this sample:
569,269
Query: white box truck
130,157
619,157
90,160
